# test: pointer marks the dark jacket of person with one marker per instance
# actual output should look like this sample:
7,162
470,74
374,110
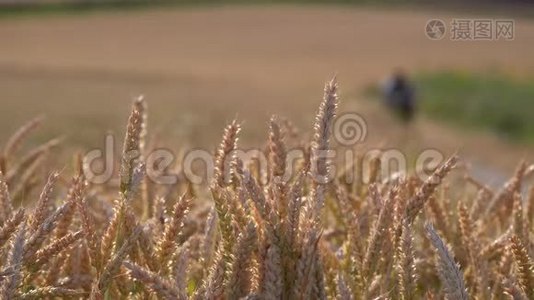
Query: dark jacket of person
399,96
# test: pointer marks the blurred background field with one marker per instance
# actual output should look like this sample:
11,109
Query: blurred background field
489,101
202,64
498,103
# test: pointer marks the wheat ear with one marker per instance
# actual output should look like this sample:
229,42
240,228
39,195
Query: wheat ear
9,285
448,270
525,266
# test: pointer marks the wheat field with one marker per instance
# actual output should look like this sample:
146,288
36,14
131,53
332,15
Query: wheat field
255,235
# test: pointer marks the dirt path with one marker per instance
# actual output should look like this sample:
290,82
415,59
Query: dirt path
199,67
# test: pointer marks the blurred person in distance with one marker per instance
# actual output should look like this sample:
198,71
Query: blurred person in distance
399,96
